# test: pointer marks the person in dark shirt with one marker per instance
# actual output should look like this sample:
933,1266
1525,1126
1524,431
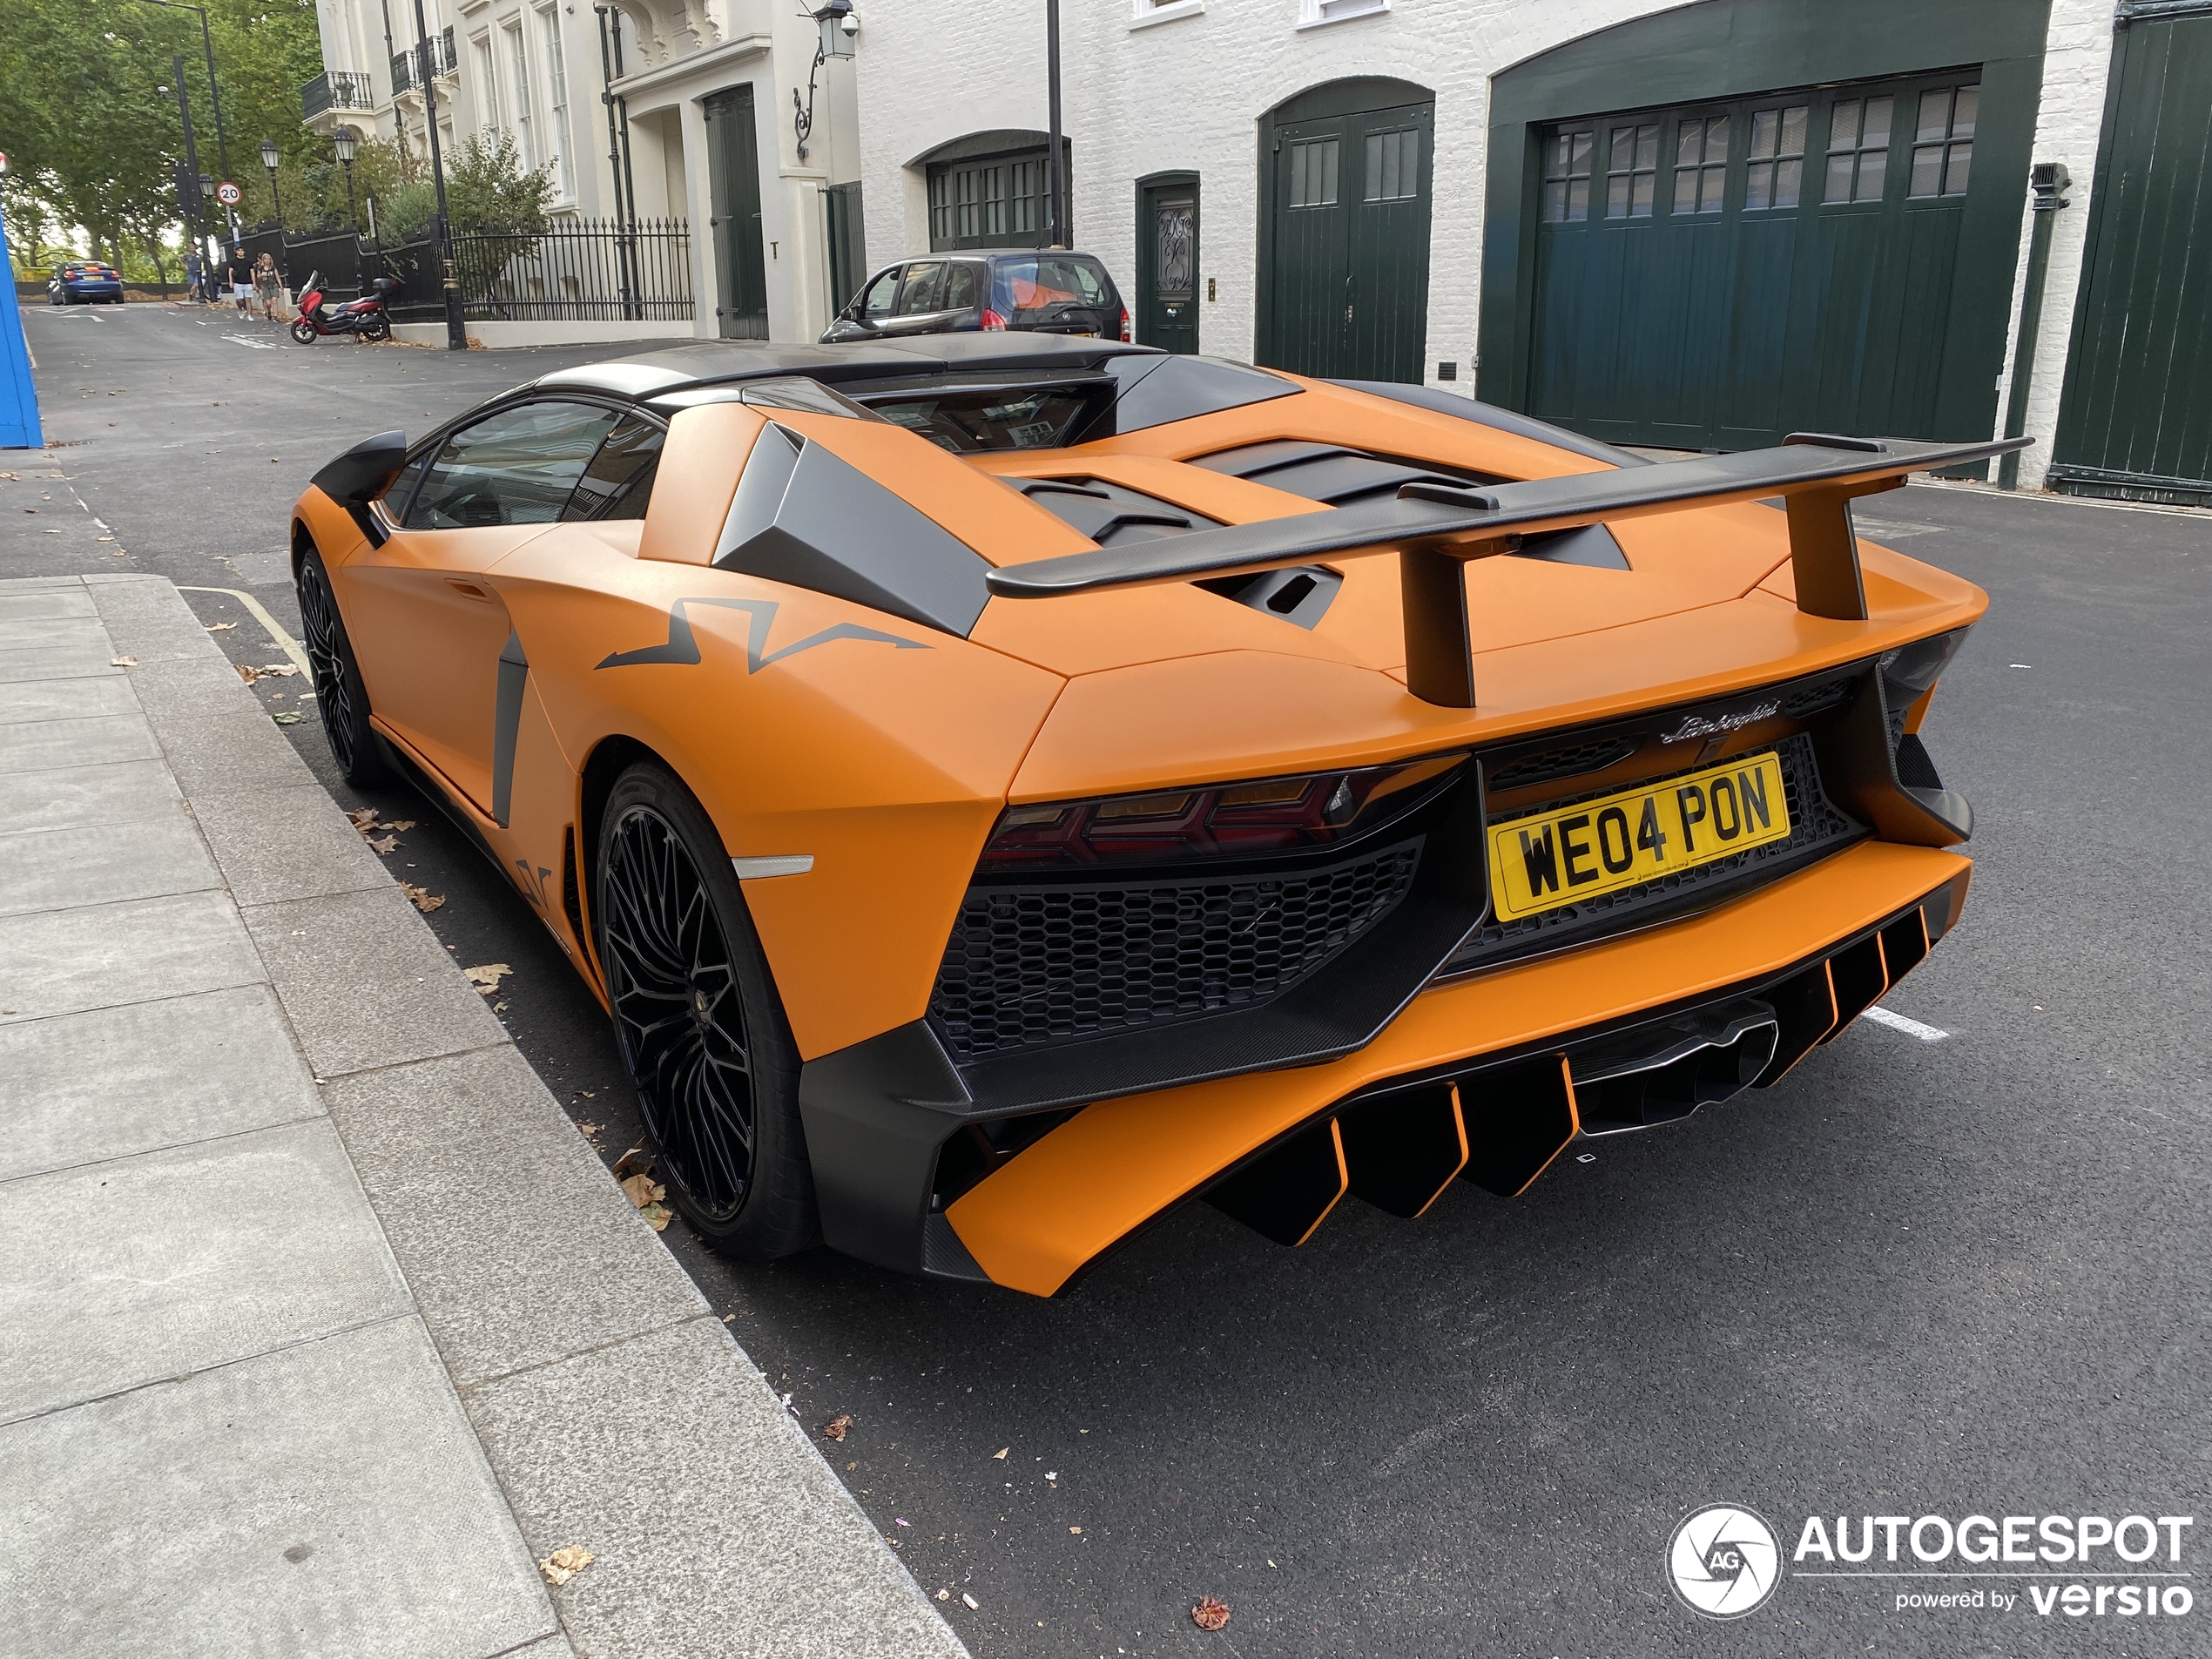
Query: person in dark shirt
241,279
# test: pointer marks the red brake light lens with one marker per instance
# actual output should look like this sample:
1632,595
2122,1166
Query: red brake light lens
1125,338
1271,815
991,323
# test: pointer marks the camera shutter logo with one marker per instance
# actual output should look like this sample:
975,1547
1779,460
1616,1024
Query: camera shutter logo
1724,1562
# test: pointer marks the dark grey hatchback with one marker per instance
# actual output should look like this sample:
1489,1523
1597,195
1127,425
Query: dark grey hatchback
1036,292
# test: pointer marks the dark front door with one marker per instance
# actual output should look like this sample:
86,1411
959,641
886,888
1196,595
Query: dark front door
1167,265
734,178
2135,421
1715,277
1345,264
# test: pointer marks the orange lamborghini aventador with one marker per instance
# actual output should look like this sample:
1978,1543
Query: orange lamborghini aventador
1003,787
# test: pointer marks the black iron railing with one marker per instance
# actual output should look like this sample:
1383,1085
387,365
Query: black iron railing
575,271
335,89
439,49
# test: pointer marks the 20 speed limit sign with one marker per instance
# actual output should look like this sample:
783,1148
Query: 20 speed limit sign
229,194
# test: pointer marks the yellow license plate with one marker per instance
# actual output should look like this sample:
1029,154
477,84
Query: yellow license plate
1599,846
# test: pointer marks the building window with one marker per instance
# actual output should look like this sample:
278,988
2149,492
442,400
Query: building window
1776,176
1393,166
487,87
1631,171
1858,148
1943,143
993,201
1701,164
1314,12
1567,175
556,87
519,65
1313,173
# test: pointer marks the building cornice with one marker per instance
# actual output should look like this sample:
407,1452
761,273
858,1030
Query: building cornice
729,52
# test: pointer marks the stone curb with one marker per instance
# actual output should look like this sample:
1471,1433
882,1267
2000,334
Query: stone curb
616,1411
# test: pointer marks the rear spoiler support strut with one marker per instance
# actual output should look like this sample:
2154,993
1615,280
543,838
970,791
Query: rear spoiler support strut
1436,529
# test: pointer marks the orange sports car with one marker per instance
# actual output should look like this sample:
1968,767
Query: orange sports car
1003,787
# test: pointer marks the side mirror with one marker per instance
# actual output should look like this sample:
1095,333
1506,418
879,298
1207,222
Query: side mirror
353,478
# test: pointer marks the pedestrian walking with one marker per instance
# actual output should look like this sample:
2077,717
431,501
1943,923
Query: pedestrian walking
269,286
191,275
241,279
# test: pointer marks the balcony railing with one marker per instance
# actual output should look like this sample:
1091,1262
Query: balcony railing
440,49
335,89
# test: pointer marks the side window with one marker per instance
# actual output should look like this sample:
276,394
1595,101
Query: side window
961,287
881,294
517,467
401,489
619,480
924,289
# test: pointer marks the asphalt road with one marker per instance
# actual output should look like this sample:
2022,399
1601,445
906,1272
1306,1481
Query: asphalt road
1957,1278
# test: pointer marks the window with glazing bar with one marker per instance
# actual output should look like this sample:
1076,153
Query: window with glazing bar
1567,175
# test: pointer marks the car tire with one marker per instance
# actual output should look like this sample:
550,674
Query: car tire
304,332
340,695
699,1023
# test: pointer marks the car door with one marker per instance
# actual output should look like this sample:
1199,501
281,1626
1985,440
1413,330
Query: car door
920,309
429,628
867,314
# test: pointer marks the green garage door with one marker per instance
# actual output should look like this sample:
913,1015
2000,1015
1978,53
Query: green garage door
2137,418
1716,276
1344,237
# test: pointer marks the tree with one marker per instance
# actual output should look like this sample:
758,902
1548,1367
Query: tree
90,119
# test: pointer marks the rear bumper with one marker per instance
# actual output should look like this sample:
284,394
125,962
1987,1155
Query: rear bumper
1043,1215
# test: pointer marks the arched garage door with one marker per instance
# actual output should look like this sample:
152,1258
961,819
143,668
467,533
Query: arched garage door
1343,210
1727,221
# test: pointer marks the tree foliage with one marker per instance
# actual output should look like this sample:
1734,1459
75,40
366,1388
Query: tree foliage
89,116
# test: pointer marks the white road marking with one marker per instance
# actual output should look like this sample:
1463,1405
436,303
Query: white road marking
257,345
1881,1016
285,642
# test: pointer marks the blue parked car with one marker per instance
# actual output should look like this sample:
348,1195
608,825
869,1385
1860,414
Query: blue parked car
87,280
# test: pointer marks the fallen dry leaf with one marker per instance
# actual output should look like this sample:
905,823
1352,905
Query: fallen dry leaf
122,662
1210,1614
633,1162
364,817
643,1189
486,978
1001,1453
835,1428
424,900
588,1126
1075,1529
220,627
247,674
657,1217
384,844
564,1564
282,670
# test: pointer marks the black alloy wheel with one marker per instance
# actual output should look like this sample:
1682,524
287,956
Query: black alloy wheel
698,1023
339,693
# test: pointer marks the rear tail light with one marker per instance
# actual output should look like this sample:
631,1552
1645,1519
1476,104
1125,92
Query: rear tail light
993,323
1125,339
1215,821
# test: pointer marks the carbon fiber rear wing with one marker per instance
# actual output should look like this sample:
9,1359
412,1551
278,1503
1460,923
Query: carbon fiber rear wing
1435,529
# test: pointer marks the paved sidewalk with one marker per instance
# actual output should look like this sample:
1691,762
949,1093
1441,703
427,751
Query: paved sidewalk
320,1324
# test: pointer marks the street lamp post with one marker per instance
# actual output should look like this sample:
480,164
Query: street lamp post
345,141
1053,180
457,319
269,160
214,93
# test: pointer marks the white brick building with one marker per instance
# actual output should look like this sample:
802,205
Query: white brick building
1489,192
701,130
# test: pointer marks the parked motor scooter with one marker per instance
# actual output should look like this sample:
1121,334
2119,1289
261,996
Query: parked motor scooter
365,316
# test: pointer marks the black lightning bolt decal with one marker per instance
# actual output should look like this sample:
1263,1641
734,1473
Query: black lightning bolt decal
683,644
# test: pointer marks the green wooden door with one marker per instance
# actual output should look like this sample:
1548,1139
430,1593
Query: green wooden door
1715,277
2135,419
1167,263
1345,268
733,180
848,253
